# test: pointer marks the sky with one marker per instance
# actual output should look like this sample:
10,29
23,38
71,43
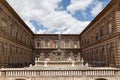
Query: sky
58,16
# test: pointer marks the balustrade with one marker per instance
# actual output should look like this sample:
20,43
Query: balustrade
0,73
100,73
20,73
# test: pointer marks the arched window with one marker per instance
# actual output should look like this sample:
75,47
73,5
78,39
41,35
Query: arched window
96,38
66,44
11,29
56,44
46,44
110,27
3,23
101,32
75,45
38,44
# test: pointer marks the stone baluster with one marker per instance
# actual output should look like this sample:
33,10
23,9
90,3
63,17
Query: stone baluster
99,72
47,73
112,72
103,72
53,73
76,73
65,73
56,72
21,73
15,73
40,73
72,73
88,73
6,73
50,73
79,73
0,73
44,73
29,73
10,73
24,73
107,72
32,73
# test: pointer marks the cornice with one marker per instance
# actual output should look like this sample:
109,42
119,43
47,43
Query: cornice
92,22
5,3
99,15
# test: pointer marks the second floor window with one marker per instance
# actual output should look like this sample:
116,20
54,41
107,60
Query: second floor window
75,45
37,44
46,44
110,28
96,36
2,29
101,33
56,45
66,44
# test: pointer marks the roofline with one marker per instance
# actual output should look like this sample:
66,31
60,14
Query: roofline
97,17
89,25
16,15
56,34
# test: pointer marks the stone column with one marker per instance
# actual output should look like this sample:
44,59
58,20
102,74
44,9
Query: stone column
3,75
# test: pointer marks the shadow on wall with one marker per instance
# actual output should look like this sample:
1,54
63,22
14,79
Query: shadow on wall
100,79
20,79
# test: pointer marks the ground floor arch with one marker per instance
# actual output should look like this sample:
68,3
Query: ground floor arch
100,79
20,79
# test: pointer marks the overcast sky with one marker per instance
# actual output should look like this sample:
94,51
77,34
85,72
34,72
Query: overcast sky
56,16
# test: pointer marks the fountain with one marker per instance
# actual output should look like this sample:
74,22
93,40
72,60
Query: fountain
57,58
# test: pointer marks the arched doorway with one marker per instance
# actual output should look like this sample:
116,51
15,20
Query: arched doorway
100,79
20,79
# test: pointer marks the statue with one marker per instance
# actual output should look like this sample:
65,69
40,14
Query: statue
42,57
63,57
71,56
52,57
78,57
82,61
87,65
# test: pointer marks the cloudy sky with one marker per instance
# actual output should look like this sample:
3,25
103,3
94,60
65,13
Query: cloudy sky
56,16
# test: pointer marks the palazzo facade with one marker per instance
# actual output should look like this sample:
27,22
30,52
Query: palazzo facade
45,44
100,41
94,54
16,39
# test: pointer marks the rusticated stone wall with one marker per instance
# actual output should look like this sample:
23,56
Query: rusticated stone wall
16,39
100,40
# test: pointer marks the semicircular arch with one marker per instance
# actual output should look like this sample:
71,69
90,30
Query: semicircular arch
20,79
100,79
